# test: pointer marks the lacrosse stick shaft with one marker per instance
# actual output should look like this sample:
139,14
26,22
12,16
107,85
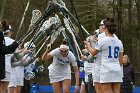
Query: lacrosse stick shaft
38,37
35,38
40,22
23,17
67,39
42,46
41,41
78,22
72,30
76,44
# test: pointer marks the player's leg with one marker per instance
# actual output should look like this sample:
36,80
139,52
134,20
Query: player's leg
98,88
106,87
66,85
116,87
57,87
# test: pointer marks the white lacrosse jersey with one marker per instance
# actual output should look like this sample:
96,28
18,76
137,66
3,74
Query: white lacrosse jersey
102,35
60,67
8,41
110,70
62,64
110,47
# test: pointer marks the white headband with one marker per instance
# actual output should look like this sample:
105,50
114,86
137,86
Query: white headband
65,47
97,31
102,22
8,30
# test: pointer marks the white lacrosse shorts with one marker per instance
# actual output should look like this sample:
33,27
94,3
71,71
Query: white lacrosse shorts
17,81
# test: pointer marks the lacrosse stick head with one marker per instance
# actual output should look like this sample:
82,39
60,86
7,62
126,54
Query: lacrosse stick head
51,8
27,45
40,68
51,23
29,75
30,46
60,3
36,14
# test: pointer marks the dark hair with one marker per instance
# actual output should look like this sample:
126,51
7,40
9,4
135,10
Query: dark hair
110,25
5,26
64,42
110,19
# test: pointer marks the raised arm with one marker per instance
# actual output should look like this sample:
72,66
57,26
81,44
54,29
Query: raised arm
93,51
46,54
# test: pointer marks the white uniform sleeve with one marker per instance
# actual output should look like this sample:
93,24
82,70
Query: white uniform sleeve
115,36
102,35
99,44
121,49
73,59
54,52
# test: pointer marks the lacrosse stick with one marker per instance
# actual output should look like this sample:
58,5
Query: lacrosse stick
36,14
56,29
41,68
68,21
67,39
65,11
49,10
55,34
67,25
78,21
42,40
51,24
23,17
41,46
